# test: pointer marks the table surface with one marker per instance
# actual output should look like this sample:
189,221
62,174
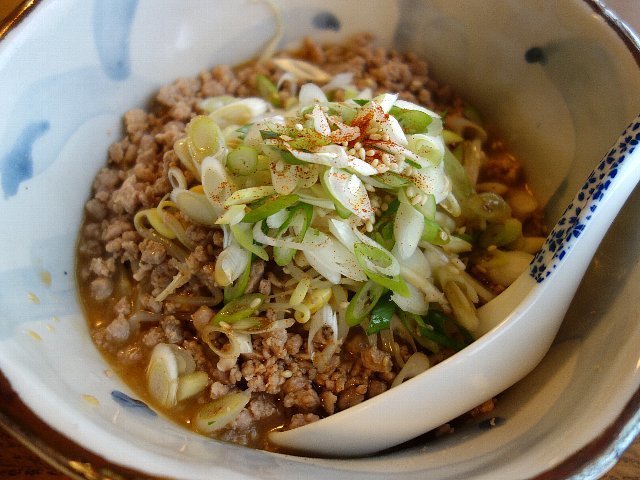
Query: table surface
16,461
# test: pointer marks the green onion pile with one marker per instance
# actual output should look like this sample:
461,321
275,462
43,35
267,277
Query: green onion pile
363,208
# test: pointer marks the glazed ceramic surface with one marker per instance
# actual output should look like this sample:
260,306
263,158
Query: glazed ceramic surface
556,78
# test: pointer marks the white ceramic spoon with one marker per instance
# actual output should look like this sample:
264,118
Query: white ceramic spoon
521,324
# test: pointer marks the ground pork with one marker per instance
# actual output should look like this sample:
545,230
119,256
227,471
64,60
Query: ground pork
101,288
299,393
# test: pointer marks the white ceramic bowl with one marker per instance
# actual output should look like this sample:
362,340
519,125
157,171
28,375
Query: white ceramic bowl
560,80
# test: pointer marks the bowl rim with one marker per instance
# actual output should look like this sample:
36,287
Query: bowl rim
78,462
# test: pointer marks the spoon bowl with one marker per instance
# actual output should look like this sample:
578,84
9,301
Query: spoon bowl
516,328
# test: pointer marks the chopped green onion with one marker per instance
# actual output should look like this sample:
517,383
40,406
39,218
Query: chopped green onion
384,235
366,255
284,255
347,112
239,308
219,413
427,207
269,207
430,149
434,233
393,208
181,149
268,134
268,90
500,234
196,206
347,192
363,302
154,219
489,207
239,111
460,183
243,130
244,235
214,103
416,364
248,195
407,228
450,137
411,121
232,215
243,160
435,329
275,154
381,315
432,334
392,180
204,136
191,384
236,289
289,158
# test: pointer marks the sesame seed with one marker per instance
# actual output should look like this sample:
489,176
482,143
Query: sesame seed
375,136
375,162
279,166
255,303
385,138
411,192
382,168
384,207
299,127
370,153
369,226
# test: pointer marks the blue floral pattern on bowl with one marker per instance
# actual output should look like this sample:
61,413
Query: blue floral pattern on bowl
125,400
580,211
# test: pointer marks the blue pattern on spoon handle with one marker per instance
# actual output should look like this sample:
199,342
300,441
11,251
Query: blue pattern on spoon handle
576,218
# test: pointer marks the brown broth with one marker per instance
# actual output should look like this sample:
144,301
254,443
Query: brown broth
97,313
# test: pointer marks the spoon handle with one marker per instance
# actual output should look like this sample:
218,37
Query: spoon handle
605,190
